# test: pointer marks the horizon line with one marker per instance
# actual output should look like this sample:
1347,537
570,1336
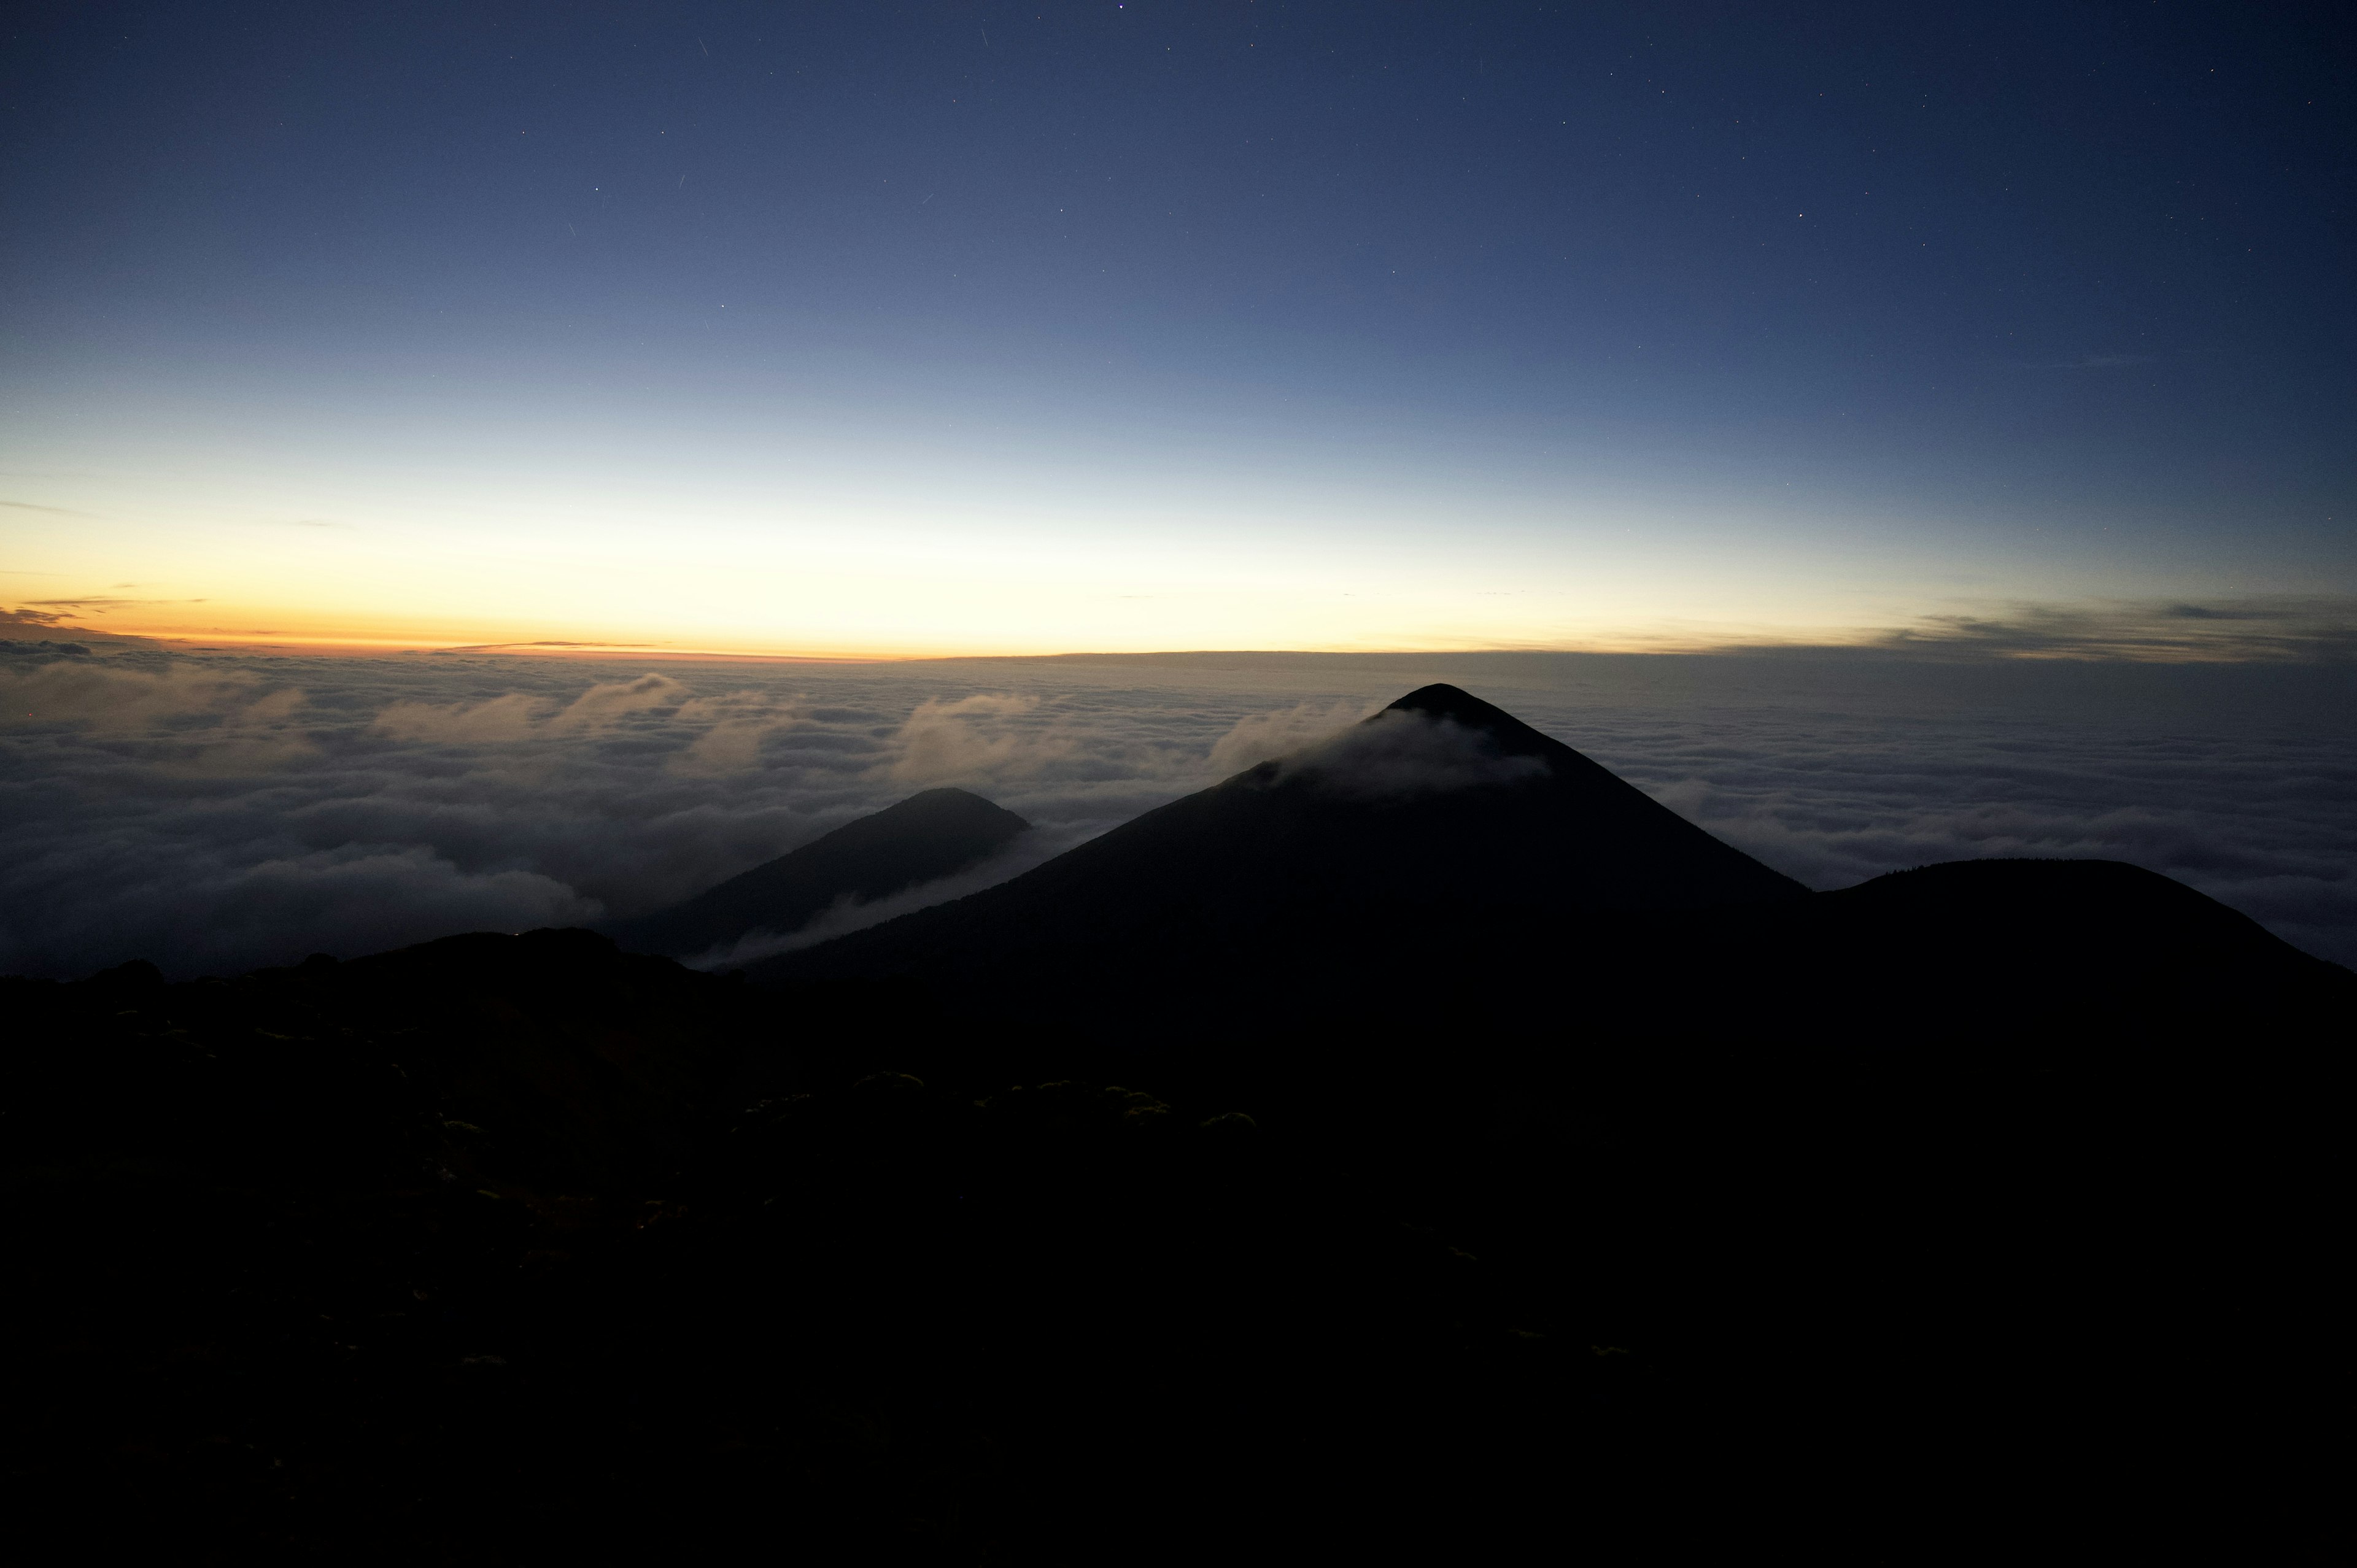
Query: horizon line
2274,629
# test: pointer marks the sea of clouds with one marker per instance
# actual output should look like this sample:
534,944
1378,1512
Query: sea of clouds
215,812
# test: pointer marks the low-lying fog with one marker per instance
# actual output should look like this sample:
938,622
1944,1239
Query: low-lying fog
214,811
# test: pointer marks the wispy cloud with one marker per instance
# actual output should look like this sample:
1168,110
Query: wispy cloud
1259,737
583,647
52,510
119,696
22,624
45,619
1397,754
103,603
518,715
2281,630
2204,612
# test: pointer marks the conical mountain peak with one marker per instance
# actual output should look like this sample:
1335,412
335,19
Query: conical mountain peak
1440,807
948,803
1443,702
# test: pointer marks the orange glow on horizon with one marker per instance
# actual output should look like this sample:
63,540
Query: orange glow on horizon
178,636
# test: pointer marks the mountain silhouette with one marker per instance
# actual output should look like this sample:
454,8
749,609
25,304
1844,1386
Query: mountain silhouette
1423,1138
928,836
2090,948
1438,805
1443,871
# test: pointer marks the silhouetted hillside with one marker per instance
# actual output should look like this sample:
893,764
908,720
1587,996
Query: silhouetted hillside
1442,870
1422,1145
1438,807
926,837
2089,947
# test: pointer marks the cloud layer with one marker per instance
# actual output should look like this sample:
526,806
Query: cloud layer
215,812
1397,754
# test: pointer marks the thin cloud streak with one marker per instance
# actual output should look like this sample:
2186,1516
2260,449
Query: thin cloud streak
2319,631
52,510
103,603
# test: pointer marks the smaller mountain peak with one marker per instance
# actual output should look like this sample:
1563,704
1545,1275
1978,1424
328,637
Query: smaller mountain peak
945,807
931,834
943,796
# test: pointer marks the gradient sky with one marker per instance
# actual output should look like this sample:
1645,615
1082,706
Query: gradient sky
977,328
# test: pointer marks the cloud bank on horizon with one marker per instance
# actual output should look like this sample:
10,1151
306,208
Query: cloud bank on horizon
217,813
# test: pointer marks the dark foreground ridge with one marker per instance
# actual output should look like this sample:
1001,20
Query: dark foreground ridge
926,837
1321,1189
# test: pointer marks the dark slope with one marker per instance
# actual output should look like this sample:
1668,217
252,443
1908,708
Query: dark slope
926,837
1984,1195
2027,955
2093,947
574,1054
1444,873
1439,806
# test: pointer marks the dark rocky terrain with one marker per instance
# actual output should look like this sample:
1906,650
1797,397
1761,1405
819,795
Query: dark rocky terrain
1364,1155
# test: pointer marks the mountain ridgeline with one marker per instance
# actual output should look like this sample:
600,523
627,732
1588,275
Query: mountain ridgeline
1438,814
1424,1145
1443,865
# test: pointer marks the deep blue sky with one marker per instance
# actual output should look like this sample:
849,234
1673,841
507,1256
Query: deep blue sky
1645,317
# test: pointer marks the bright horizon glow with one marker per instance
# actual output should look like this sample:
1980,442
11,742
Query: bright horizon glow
823,518
1194,329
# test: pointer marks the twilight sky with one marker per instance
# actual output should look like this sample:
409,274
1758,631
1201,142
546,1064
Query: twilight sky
983,328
